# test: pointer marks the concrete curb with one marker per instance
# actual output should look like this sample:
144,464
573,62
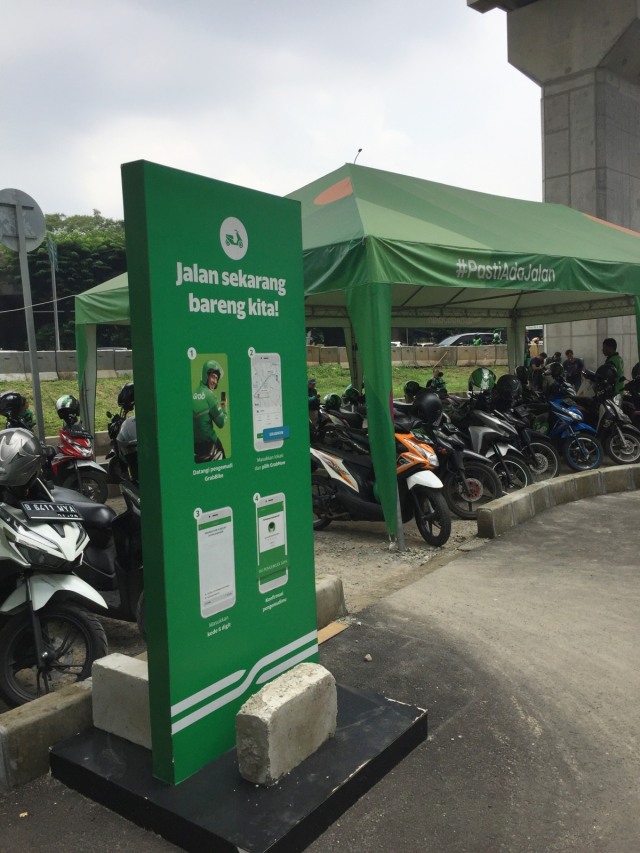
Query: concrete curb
509,511
28,732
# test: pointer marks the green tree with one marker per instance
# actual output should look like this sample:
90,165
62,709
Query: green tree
90,250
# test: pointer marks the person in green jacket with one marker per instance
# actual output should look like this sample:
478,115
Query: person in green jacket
209,412
610,352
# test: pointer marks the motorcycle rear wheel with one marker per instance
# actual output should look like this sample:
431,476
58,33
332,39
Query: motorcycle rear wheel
93,485
545,461
321,492
513,473
432,516
623,450
482,486
73,639
582,452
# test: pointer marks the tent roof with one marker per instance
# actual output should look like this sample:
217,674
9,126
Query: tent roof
363,225
105,303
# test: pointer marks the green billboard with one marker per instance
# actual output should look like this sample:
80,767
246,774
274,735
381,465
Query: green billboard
218,331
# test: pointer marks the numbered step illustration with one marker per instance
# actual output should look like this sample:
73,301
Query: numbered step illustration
271,530
216,560
266,396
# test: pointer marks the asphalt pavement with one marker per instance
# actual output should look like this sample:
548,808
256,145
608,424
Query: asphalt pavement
525,651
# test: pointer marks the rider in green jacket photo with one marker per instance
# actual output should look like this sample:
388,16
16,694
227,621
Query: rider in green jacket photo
208,412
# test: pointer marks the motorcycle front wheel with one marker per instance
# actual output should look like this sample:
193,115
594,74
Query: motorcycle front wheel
92,485
544,461
623,447
321,493
466,493
72,638
513,473
432,515
582,452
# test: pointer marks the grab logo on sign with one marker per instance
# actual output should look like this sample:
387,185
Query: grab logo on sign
233,238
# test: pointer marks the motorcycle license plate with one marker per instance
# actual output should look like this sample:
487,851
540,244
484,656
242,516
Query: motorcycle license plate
50,511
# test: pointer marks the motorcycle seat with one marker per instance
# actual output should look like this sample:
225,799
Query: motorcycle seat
93,514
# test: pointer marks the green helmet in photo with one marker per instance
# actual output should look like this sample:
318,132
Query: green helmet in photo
211,366
482,379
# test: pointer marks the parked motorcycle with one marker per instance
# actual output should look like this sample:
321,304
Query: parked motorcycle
344,487
489,435
556,415
70,464
48,638
115,465
468,479
613,426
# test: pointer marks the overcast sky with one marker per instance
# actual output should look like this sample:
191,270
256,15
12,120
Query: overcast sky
269,94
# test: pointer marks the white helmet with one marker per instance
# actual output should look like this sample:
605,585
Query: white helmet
21,457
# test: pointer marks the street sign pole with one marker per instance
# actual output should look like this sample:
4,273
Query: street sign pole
22,229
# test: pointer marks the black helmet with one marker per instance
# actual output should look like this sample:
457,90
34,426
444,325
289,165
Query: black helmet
125,397
509,387
427,407
556,370
411,388
21,456
68,407
11,404
605,377
635,370
523,375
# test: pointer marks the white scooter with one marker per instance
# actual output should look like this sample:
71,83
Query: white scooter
48,639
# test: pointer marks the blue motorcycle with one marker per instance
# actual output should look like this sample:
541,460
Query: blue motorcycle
563,422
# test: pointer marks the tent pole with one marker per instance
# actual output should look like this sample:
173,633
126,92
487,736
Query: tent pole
399,541
353,356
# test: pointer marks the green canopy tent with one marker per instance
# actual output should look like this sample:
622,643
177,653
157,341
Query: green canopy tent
106,303
383,249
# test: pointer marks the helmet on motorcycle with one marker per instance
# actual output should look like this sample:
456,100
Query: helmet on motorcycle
332,401
509,387
351,395
635,370
523,375
605,377
482,379
21,457
411,388
67,407
125,397
556,370
12,404
428,408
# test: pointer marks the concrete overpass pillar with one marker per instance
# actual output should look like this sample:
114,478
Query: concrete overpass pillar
585,56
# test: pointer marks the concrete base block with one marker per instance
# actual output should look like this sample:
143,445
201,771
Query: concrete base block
285,722
330,604
27,733
496,518
121,698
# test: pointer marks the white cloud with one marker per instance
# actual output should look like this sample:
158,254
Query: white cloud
270,95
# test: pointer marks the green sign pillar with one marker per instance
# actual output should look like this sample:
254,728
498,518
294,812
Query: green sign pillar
218,328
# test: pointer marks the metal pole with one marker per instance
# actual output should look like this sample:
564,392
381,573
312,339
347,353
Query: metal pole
56,329
28,311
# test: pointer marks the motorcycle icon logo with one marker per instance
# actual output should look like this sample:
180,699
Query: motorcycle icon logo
233,238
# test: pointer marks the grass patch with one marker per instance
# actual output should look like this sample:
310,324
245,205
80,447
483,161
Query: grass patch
331,378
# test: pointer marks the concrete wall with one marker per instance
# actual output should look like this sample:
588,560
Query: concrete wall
62,364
